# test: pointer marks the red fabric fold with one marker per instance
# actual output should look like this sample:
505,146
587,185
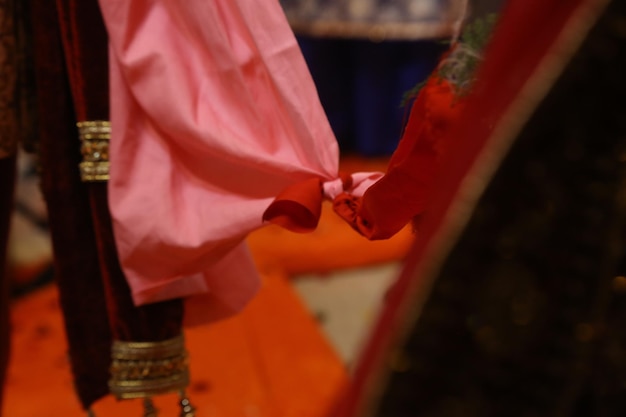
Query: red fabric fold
298,207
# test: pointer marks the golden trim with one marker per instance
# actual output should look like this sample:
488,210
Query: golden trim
94,136
137,350
94,171
144,369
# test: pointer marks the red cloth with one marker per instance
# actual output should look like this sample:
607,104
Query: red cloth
407,187
378,207
534,39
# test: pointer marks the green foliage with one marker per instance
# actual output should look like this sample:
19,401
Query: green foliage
476,34
460,65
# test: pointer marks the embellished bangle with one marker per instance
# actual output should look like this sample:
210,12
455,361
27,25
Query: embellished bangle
94,137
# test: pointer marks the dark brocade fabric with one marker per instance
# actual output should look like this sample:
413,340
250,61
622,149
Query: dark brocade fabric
15,126
17,112
9,128
84,40
26,100
7,179
76,263
85,45
72,80
527,316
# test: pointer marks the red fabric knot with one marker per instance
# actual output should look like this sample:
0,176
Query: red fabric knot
374,205
299,206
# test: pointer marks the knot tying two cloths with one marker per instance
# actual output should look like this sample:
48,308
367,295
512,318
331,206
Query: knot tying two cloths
299,206
374,205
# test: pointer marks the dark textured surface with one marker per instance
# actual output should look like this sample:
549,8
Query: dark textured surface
9,125
7,177
17,106
76,264
85,45
72,75
527,316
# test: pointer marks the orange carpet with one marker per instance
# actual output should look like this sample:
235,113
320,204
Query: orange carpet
269,361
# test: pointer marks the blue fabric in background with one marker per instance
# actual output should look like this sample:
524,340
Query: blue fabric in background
361,85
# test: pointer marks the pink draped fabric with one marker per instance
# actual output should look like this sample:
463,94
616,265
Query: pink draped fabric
213,114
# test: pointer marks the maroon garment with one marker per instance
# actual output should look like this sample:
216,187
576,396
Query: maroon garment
72,74
76,263
538,148
85,46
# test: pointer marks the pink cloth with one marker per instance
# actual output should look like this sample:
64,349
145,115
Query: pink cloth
213,114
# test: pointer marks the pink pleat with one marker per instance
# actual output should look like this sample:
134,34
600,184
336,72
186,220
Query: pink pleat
213,114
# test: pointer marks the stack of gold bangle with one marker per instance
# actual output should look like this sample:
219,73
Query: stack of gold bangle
145,369
94,136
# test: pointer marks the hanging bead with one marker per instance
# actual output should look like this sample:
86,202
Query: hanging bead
186,409
149,410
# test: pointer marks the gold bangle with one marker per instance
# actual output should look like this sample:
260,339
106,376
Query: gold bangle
145,369
94,136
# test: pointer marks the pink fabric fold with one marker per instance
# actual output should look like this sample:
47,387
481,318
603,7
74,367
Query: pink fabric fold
358,183
213,114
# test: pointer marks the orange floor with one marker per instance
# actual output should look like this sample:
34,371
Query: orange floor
271,360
